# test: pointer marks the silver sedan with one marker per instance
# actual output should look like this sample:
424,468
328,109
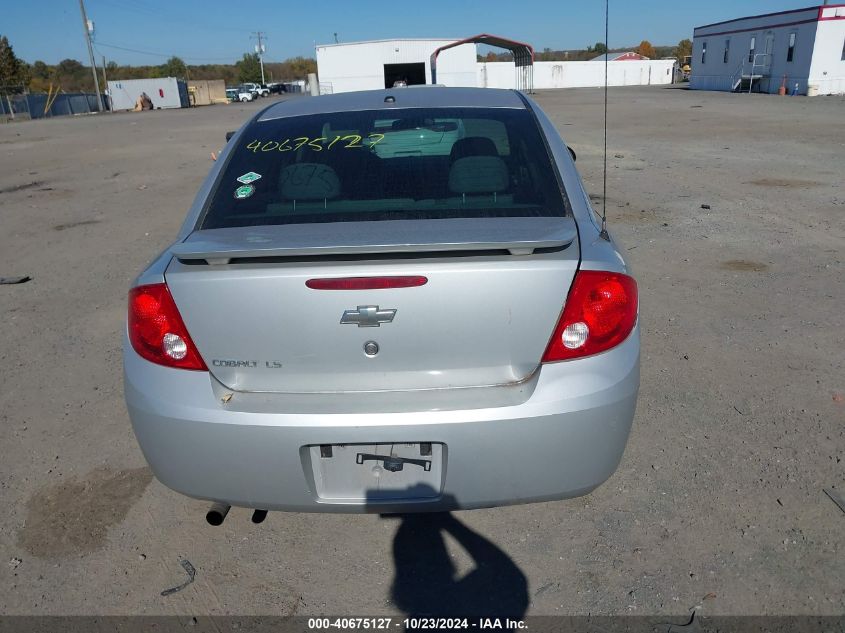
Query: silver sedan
386,301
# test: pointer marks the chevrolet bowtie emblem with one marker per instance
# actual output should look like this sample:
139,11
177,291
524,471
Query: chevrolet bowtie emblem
367,316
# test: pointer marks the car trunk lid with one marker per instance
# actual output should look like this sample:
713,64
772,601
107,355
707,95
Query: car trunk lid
492,294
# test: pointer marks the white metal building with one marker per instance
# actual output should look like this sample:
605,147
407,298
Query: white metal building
803,48
379,63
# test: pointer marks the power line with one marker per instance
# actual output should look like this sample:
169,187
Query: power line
167,55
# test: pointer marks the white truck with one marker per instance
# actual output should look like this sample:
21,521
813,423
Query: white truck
259,89
239,94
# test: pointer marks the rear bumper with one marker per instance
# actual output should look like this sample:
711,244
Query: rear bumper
562,440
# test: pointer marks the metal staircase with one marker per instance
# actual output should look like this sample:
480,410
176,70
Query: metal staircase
746,74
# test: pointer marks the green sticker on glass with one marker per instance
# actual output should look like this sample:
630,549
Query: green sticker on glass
249,177
244,192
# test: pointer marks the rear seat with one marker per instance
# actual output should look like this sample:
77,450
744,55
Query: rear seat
314,187
480,180
473,146
476,173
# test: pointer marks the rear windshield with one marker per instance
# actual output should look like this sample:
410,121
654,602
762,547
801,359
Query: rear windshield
387,165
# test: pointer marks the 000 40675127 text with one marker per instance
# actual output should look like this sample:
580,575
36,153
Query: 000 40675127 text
353,141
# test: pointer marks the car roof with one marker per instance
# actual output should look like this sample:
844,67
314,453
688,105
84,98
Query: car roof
419,97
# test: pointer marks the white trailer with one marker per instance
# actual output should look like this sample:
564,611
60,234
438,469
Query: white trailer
802,51
167,92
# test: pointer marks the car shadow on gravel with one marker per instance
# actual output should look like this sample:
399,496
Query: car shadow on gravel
427,581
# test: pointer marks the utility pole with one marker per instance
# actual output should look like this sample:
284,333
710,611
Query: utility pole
259,48
106,83
91,55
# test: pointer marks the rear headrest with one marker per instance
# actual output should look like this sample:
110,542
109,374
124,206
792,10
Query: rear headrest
308,181
473,146
478,174
330,133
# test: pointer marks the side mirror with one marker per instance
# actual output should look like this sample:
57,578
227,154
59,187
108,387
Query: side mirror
571,152
229,135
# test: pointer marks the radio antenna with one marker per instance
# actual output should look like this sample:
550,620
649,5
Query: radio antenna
604,234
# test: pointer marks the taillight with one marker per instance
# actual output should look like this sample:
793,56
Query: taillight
366,283
600,313
156,330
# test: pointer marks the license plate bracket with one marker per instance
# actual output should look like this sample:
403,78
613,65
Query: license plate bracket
392,463
376,472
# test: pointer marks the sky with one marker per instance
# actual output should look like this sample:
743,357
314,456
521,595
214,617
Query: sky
219,31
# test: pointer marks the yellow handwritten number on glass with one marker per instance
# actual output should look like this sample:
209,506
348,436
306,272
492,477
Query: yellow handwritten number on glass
315,144
352,141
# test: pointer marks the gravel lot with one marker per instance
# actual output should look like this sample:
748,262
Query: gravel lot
731,209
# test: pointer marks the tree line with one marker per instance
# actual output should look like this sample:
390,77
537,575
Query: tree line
70,75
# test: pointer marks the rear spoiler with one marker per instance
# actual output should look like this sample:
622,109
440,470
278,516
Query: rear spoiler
518,236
